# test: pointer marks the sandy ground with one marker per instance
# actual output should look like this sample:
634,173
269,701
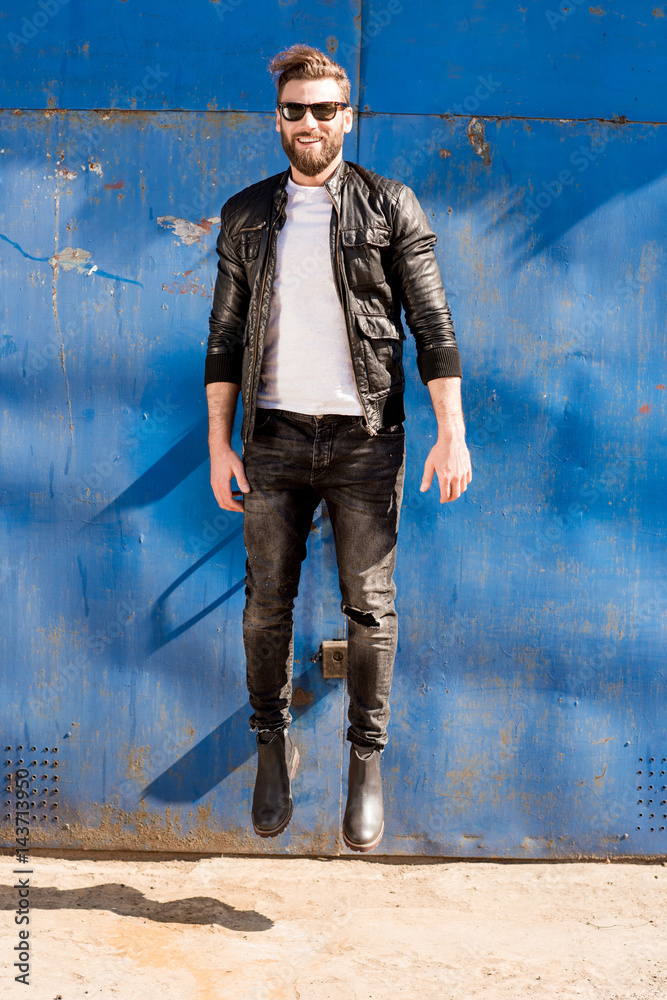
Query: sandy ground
267,928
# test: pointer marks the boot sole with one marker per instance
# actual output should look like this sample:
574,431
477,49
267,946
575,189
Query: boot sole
364,848
285,823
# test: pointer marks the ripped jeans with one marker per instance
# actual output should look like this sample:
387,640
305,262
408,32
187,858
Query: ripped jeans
293,461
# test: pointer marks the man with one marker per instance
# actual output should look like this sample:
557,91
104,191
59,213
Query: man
314,265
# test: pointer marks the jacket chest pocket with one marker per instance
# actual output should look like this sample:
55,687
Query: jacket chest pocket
247,245
365,251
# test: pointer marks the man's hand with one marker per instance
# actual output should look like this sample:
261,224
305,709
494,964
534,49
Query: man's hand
450,460
226,464
449,457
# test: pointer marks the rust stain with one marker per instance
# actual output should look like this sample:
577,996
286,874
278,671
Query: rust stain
332,44
136,761
300,698
661,386
646,408
476,139
600,11
444,153
185,288
115,187
658,12
599,777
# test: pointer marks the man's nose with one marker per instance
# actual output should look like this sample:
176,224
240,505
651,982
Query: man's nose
309,120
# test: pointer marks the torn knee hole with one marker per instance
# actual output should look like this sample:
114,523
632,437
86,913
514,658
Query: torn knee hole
361,617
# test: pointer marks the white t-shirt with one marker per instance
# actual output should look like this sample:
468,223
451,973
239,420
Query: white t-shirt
306,364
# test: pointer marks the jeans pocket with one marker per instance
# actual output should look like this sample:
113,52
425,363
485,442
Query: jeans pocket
262,417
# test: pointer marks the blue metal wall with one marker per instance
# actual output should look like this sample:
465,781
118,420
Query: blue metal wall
528,700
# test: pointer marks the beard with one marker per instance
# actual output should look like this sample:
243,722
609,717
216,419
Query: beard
307,161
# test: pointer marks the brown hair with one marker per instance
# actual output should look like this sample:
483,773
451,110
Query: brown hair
302,62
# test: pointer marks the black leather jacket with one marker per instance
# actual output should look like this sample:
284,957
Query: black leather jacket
382,258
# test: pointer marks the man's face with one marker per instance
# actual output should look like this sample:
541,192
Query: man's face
314,148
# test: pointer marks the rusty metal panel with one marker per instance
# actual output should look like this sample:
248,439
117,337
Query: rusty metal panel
529,684
529,698
204,56
537,59
125,578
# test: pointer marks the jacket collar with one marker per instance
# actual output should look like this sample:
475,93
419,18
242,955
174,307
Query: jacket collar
333,185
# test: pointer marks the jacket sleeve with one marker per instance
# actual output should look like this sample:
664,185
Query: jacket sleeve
224,352
423,297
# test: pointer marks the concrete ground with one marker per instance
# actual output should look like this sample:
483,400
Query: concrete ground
187,927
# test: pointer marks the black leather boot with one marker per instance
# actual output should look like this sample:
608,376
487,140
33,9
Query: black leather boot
277,761
363,824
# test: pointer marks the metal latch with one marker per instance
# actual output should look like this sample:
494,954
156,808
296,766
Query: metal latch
334,658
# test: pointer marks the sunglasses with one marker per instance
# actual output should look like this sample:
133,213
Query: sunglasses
324,111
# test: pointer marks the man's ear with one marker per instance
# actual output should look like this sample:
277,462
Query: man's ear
348,119
277,120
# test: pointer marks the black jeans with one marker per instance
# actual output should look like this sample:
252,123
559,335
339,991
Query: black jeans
294,461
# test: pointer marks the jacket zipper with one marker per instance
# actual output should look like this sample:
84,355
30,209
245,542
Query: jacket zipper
259,315
343,303
250,229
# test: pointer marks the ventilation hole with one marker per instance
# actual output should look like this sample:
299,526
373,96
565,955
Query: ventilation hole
651,759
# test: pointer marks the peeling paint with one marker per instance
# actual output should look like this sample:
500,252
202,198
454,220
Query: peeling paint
476,139
72,259
188,232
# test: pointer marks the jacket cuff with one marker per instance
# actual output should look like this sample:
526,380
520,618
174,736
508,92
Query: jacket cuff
439,362
222,368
